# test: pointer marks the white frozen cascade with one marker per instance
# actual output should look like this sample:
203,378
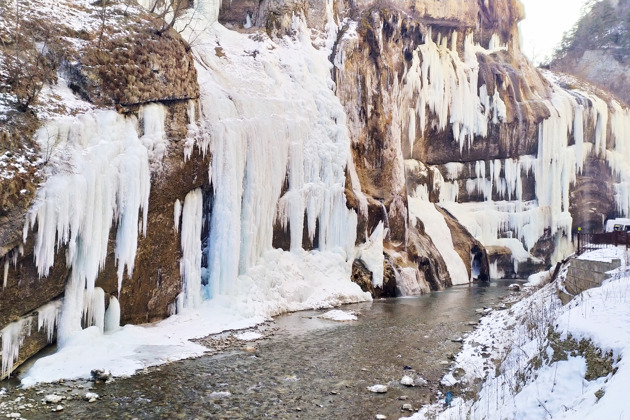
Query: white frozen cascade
13,335
443,85
268,115
97,176
562,152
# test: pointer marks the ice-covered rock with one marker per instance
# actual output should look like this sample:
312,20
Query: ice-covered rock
53,398
378,389
407,381
101,375
91,396
449,380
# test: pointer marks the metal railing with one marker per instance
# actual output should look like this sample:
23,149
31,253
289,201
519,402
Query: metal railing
590,241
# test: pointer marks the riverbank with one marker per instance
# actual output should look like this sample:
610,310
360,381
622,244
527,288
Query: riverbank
307,366
540,359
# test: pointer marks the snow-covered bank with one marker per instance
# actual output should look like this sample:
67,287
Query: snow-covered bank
556,361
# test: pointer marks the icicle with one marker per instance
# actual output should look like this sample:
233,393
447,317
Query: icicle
177,214
47,318
6,273
13,336
112,315
154,136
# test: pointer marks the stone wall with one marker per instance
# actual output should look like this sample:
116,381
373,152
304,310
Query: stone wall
584,275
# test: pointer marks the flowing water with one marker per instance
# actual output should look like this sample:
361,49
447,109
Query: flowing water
305,368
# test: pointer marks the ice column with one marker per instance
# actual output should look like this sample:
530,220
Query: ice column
190,264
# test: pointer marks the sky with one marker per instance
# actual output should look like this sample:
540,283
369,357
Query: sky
545,22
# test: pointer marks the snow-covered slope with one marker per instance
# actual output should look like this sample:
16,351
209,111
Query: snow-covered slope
555,361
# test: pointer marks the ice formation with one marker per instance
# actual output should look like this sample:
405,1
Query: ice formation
436,227
445,86
12,338
371,253
98,176
47,318
112,315
289,128
190,264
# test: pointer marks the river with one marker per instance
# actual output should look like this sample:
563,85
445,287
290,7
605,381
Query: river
304,368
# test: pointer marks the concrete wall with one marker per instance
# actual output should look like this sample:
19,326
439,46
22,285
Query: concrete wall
585,274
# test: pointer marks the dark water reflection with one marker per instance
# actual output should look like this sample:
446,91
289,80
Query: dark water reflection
309,369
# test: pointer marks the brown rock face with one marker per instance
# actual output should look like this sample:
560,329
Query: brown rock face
139,67
592,197
363,277
470,250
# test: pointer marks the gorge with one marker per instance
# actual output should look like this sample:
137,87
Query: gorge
275,156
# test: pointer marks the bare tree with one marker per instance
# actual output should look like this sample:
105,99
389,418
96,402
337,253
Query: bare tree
31,56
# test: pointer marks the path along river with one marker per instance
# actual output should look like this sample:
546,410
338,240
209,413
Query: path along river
305,368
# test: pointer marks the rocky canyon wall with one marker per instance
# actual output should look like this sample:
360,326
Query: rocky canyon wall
287,149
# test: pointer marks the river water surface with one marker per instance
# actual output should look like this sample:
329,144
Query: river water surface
305,368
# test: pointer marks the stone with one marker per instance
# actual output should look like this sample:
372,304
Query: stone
407,381
58,408
91,396
380,417
420,381
378,389
53,398
407,407
515,287
100,375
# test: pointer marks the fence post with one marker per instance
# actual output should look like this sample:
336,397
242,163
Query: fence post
579,250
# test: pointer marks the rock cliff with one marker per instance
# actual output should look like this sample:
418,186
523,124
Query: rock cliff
269,158
597,48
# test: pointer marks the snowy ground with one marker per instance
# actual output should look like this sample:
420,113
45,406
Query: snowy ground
542,360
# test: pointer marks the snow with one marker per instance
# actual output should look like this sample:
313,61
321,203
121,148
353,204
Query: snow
248,336
339,315
557,388
539,279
